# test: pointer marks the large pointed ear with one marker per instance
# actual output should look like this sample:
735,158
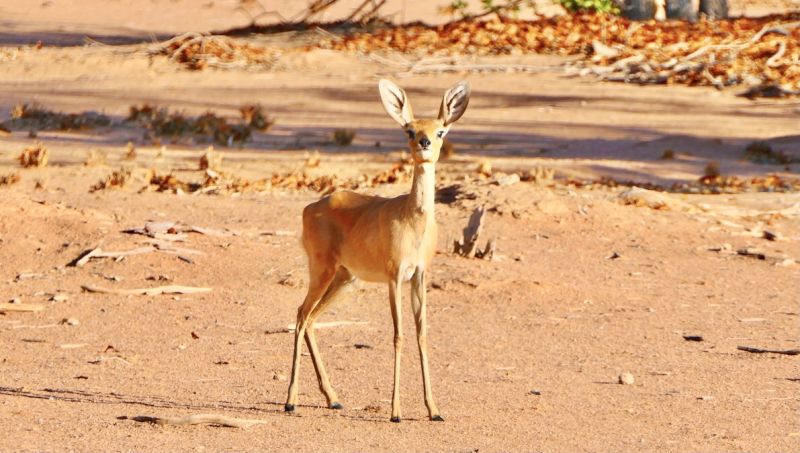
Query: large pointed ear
395,102
454,103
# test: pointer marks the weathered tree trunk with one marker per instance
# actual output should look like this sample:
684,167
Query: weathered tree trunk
675,9
681,9
714,9
638,9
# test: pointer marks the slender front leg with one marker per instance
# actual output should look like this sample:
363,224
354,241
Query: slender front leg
394,301
419,303
342,279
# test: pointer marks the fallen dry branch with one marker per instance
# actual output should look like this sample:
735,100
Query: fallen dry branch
200,419
155,291
175,231
403,67
167,247
732,62
769,351
199,51
24,308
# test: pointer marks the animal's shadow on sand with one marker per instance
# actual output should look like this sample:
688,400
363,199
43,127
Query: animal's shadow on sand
154,401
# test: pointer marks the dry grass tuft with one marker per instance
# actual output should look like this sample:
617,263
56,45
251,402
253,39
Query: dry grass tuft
539,175
34,156
254,116
484,169
130,152
116,180
10,179
210,160
95,158
312,160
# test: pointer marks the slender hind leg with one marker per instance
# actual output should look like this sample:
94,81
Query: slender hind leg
397,317
319,281
340,281
418,303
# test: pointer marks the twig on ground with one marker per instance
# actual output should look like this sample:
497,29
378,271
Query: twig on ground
200,419
99,253
26,308
326,325
769,351
155,291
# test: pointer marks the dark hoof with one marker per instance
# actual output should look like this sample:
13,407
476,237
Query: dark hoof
395,419
288,407
337,405
437,418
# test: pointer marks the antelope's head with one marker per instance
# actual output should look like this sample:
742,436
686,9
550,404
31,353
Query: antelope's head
425,136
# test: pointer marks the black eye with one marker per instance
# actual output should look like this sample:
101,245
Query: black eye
440,134
410,134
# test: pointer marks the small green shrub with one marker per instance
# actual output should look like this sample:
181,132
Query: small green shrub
762,153
711,171
343,137
600,6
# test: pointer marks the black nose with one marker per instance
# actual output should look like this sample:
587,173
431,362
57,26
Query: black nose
424,142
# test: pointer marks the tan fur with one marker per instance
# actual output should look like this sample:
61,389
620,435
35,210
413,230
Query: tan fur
387,240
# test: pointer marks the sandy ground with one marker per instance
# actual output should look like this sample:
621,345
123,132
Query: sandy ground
526,349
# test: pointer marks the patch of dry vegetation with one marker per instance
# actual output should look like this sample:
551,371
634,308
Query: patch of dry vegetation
34,117
755,51
207,127
708,184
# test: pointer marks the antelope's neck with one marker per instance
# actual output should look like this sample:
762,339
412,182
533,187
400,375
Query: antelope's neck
423,188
